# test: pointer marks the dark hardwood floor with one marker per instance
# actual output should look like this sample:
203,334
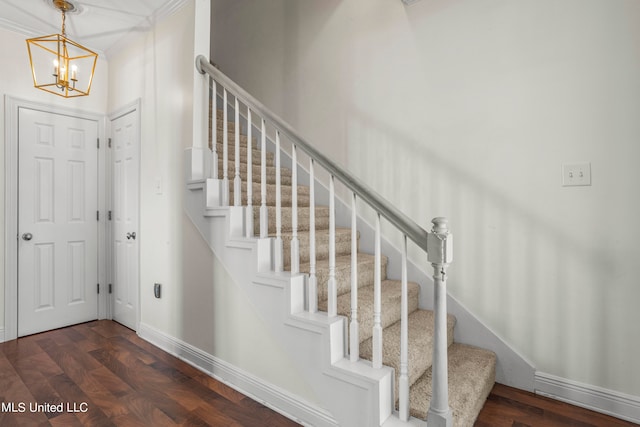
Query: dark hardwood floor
103,374
117,379
510,407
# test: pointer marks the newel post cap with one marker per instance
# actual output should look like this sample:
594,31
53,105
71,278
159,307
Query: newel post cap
440,225
440,242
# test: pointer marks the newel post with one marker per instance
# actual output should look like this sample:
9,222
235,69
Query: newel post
440,255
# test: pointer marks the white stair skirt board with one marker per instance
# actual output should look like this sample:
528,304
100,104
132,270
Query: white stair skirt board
279,300
597,399
267,394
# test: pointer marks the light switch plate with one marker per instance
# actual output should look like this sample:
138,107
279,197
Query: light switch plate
576,174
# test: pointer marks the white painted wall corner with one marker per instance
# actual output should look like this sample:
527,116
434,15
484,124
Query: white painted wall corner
595,398
1,334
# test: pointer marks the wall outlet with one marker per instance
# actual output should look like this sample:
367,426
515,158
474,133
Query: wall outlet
576,174
157,290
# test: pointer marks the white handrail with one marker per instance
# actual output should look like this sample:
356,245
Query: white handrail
401,221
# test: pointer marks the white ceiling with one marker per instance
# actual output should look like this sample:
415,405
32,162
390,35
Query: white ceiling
98,24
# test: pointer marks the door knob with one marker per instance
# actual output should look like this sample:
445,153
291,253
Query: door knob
27,236
131,236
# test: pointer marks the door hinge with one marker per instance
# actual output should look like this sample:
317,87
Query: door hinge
109,215
110,288
109,142
98,287
98,141
97,215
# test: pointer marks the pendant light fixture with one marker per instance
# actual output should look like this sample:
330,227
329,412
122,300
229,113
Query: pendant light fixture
58,64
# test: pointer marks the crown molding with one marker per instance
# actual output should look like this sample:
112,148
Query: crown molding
167,10
159,15
17,28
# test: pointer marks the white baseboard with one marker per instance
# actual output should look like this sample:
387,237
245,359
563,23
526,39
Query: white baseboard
595,398
1,334
274,397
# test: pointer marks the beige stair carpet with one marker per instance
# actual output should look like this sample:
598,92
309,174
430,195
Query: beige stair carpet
471,370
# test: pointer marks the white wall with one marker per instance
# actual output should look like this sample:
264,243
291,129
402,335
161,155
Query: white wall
153,68
16,82
200,304
467,109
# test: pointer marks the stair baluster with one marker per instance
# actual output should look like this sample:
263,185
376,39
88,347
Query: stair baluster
354,344
377,306
403,379
249,211
332,300
313,280
264,211
237,181
213,130
295,243
225,150
278,261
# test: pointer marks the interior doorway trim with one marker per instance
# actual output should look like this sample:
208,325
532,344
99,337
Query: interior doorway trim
132,107
12,107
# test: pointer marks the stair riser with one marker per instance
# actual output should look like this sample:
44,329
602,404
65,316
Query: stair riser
303,200
255,173
231,143
471,375
231,139
343,277
343,246
255,157
321,220
420,349
390,302
231,125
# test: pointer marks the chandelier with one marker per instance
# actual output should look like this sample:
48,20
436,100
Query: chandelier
58,64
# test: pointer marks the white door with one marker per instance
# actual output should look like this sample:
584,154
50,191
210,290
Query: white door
57,223
125,206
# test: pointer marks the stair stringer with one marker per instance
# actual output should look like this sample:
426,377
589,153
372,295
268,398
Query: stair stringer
354,394
512,368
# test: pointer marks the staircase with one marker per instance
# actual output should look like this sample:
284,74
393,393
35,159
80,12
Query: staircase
471,370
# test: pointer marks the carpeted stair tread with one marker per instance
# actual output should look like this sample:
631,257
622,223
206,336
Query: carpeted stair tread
321,220
343,273
285,174
231,138
231,125
303,194
255,151
390,296
256,158
343,244
471,377
420,344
